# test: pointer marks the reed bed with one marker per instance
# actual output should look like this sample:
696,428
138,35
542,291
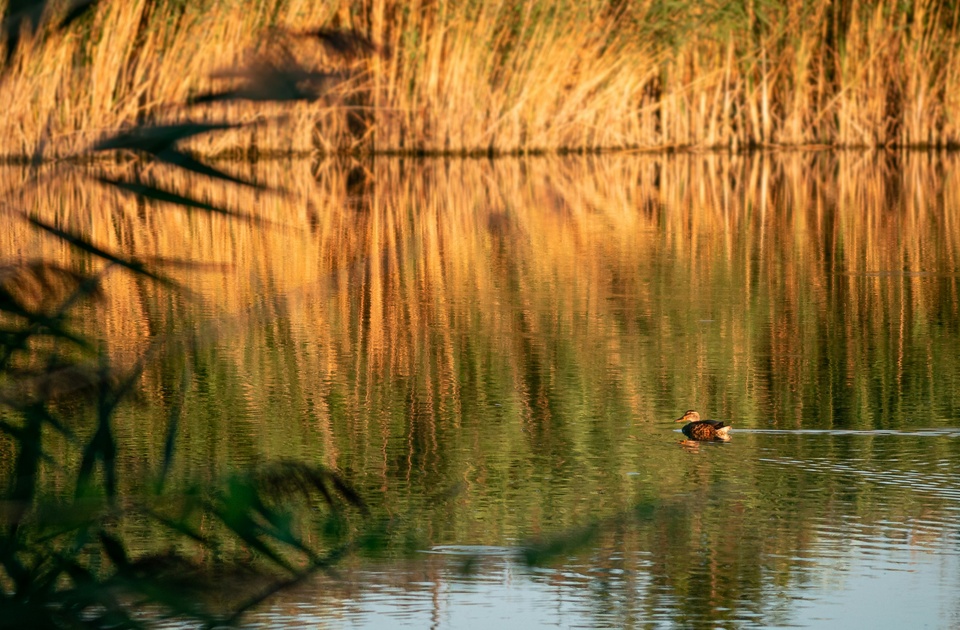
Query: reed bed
510,76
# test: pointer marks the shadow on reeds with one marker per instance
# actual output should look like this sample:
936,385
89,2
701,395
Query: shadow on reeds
64,557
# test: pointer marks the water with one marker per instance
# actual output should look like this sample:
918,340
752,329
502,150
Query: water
754,535
493,354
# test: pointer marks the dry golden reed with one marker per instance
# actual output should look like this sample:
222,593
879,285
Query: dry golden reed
494,77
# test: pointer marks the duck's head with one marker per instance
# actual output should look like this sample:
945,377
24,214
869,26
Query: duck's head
690,416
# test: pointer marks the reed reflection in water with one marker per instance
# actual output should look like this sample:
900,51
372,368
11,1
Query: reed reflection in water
494,351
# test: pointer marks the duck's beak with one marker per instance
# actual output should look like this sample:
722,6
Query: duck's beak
681,418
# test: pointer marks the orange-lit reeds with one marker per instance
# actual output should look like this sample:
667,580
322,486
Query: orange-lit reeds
507,76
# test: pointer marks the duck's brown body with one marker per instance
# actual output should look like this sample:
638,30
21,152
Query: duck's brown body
697,429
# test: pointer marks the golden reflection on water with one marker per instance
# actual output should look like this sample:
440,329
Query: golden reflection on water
660,270
499,347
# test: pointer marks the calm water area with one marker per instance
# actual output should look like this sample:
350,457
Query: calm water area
493,354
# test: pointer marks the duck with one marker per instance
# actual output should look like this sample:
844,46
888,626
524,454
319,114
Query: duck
704,430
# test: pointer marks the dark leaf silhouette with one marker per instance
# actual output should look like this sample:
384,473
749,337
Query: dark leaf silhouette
35,285
240,509
558,546
76,10
49,382
159,141
27,291
115,550
28,458
287,478
103,445
273,78
184,160
181,527
20,14
85,245
173,425
159,138
349,44
150,191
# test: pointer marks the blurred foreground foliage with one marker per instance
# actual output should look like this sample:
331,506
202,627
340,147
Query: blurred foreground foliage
65,556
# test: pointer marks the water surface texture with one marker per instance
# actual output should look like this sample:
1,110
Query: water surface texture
494,352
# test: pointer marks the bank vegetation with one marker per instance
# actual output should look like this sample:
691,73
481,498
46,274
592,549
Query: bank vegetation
507,76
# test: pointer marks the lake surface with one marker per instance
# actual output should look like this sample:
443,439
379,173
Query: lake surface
493,353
